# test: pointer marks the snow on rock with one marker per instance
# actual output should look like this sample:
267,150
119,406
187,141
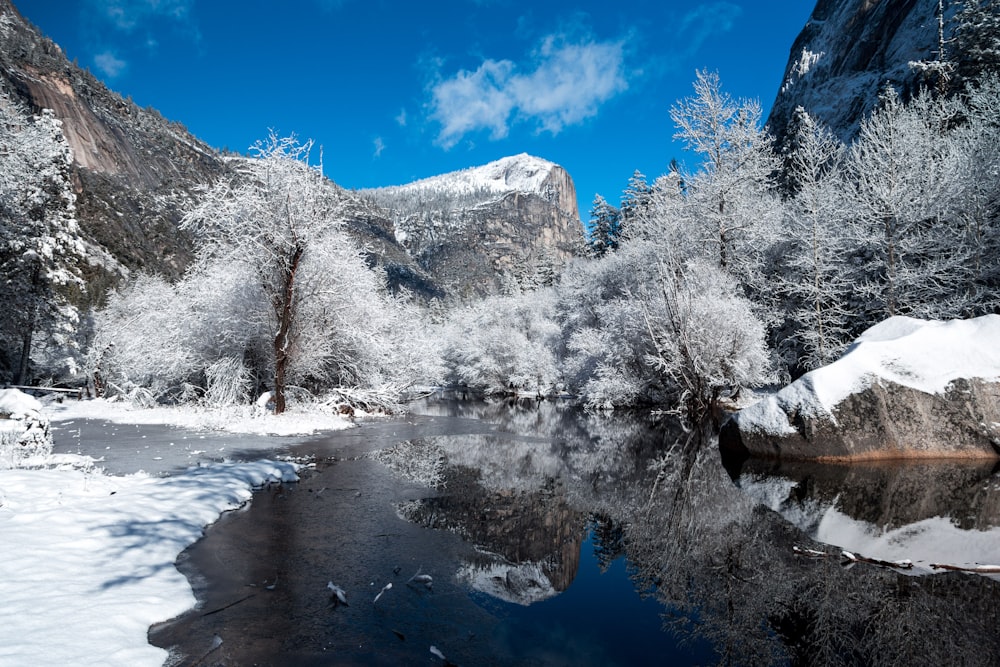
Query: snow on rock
87,560
24,430
517,173
521,583
906,387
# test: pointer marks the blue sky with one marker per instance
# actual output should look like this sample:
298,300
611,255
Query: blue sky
395,91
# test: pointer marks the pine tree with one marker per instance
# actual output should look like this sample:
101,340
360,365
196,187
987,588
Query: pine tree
605,227
977,39
40,245
635,201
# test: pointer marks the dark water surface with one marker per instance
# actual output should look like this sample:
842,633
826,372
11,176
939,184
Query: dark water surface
555,537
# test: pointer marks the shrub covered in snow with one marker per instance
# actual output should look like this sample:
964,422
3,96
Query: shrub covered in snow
24,431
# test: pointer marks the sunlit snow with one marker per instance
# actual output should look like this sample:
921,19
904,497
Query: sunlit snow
87,559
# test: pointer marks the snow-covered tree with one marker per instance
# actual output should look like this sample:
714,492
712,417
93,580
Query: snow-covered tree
977,143
40,246
605,227
644,326
976,42
505,344
903,176
734,188
817,274
279,219
635,201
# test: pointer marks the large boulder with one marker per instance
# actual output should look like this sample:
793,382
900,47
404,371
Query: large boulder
906,388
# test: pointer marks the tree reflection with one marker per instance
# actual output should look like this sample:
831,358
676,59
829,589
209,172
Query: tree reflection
719,560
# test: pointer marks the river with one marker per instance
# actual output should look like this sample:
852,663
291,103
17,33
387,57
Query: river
556,537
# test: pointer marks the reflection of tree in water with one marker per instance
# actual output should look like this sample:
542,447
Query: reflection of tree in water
720,562
725,566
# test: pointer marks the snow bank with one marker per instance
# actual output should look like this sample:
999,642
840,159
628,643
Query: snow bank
926,355
244,419
87,560
15,403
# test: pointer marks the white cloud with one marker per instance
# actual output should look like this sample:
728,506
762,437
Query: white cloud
379,147
401,118
564,84
713,18
109,64
127,14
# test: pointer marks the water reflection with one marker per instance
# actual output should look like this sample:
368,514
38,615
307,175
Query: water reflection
719,556
560,537
930,513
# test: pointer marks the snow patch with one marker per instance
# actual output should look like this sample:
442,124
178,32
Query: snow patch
235,419
517,173
87,560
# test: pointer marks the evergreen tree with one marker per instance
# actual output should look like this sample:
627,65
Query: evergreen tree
635,201
605,227
977,38
40,245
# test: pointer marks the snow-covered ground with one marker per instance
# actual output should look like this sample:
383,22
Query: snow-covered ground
87,558
926,355
245,419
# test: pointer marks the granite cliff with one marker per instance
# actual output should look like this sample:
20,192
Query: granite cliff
133,174
848,51
481,230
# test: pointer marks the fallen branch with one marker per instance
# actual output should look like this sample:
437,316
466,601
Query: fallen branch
231,604
977,569
851,557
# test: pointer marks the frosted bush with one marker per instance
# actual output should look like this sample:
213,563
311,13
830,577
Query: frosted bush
229,382
24,431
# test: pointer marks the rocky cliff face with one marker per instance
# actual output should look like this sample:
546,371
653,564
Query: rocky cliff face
133,171
485,229
848,52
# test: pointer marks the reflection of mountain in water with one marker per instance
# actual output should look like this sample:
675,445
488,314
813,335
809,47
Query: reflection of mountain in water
939,512
715,555
528,541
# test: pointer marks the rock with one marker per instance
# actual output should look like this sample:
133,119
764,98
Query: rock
477,230
848,51
905,389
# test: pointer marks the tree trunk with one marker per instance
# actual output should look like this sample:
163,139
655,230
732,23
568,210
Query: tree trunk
282,340
29,327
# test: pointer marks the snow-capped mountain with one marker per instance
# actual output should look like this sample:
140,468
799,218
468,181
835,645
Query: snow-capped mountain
848,52
522,173
484,229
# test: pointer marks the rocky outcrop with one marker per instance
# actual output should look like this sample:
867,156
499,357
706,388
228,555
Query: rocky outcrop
906,388
886,421
133,171
849,51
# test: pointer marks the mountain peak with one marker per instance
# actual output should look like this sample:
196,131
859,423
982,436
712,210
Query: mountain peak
516,173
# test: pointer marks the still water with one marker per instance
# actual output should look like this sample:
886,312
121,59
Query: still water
555,537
